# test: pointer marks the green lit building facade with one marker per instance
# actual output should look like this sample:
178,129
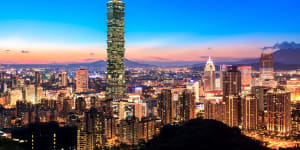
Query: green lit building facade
115,83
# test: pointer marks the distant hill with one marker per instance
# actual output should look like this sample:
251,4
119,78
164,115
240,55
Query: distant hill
287,56
96,64
284,59
201,134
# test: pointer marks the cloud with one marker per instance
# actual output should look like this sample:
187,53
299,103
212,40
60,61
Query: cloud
90,59
24,51
283,45
159,59
204,57
7,50
92,54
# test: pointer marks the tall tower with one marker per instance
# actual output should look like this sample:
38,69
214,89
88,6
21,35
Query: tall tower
232,84
82,80
165,106
266,65
278,115
115,83
209,76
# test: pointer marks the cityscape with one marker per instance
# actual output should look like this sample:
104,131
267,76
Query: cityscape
123,102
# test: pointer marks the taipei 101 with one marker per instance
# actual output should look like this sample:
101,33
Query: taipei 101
149,75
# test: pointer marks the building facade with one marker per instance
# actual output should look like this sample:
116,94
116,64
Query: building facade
115,82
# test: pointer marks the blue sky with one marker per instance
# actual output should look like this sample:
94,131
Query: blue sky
155,24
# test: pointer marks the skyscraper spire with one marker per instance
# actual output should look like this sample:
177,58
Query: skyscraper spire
115,83
209,75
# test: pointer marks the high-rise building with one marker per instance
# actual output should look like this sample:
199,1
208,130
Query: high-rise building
278,112
95,127
195,87
80,105
129,130
246,75
260,93
232,111
187,105
82,80
209,76
165,106
266,67
214,109
64,79
37,79
250,112
232,84
115,83
223,68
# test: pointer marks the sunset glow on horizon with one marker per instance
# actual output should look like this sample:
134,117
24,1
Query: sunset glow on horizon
73,31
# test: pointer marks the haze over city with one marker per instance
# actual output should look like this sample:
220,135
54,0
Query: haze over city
149,75
73,31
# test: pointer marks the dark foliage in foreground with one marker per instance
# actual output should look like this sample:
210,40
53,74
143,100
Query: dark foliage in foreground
201,134
6,144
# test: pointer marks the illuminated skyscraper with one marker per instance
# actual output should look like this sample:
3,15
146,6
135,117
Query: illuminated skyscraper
266,67
165,106
95,123
64,79
194,86
232,111
116,87
246,76
231,82
209,76
278,111
82,80
187,105
250,112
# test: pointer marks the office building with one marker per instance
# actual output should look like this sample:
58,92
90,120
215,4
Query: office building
165,106
82,80
278,115
232,84
209,77
250,112
115,83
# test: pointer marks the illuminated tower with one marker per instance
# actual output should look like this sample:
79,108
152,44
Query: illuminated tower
187,105
165,106
278,115
266,67
209,76
116,87
250,112
232,84
82,80
246,76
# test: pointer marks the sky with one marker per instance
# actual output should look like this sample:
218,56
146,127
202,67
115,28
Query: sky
68,31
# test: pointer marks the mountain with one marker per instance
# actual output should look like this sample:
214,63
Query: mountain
96,64
287,56
284,59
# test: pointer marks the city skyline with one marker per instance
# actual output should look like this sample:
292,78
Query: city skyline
38,32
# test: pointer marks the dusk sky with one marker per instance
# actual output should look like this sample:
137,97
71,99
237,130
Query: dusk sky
63,31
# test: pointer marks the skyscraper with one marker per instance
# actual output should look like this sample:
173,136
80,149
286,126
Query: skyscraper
266,67
165,106
187,105
64,79
231,82
209,76
278,111
82,80
232,111
246,76
250,112
116,87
